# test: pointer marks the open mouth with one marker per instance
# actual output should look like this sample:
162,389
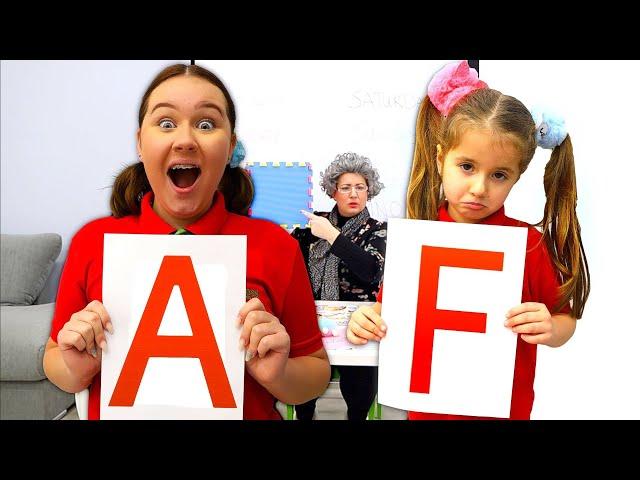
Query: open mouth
183,175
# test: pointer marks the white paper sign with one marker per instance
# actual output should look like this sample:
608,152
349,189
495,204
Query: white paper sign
463,361
201,279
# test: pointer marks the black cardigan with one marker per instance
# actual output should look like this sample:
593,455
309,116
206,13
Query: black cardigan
361,259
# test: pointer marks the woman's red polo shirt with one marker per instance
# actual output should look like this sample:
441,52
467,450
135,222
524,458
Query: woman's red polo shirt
275,269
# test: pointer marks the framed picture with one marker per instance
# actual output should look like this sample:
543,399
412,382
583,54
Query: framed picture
333,318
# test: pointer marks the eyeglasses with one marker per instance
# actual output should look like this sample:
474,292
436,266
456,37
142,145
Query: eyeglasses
346,189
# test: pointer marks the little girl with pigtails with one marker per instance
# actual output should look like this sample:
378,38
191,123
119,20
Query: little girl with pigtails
472,145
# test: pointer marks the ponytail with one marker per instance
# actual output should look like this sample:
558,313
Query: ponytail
561,229
424,192
128,188
237,188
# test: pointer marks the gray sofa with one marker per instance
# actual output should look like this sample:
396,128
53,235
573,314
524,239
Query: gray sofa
25,324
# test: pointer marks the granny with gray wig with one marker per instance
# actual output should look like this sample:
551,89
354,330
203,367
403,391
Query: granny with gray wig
344,252
350,163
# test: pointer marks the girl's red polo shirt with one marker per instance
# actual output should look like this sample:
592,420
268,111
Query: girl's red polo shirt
275,269
541,285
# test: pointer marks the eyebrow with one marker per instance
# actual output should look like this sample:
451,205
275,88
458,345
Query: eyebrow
207,104
471,160
203,104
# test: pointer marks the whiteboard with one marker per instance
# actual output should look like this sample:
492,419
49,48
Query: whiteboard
312,110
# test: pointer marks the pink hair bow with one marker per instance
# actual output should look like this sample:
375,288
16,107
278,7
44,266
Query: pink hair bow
451,83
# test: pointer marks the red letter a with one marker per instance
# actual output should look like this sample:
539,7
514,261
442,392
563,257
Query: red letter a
429,318
147,343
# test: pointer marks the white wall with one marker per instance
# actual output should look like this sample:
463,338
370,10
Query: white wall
68,127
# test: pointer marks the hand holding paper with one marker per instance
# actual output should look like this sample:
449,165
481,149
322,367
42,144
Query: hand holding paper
266,342
531,320
82,339
366,324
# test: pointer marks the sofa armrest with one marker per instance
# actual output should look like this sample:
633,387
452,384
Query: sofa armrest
24,331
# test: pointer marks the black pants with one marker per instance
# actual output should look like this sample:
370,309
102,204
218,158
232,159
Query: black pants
358,386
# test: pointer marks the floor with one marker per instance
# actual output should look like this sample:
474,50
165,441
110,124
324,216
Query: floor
329,407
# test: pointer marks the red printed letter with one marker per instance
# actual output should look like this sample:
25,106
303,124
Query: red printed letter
147,343
429,318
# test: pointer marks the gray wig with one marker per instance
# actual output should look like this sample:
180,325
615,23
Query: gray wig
350,163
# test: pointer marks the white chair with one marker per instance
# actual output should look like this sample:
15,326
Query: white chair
82,404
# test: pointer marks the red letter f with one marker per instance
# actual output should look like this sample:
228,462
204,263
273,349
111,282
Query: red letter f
429,318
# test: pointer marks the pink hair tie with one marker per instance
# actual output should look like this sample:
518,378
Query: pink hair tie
451,83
